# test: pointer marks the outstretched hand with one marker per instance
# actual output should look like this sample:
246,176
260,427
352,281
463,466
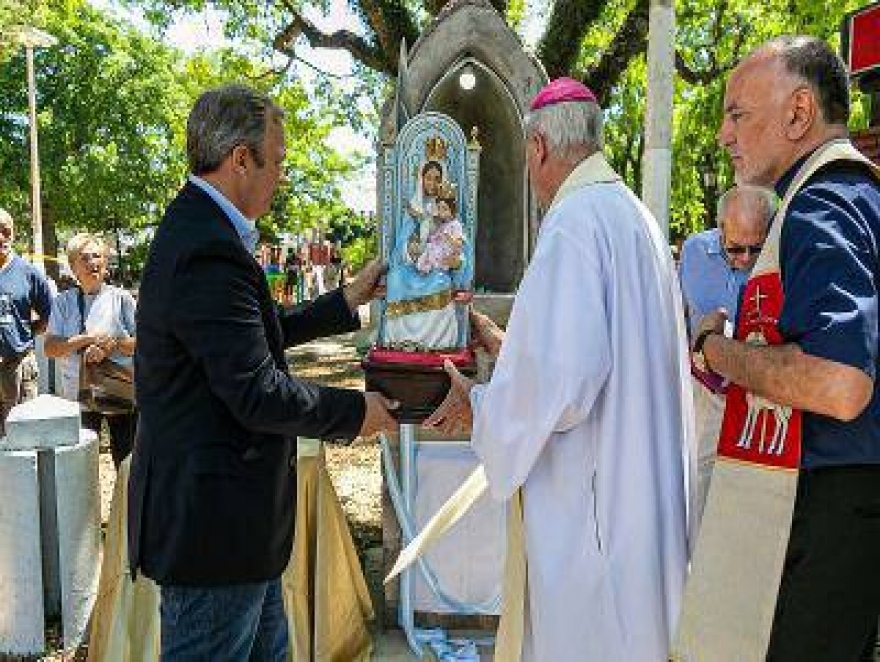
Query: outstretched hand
454,415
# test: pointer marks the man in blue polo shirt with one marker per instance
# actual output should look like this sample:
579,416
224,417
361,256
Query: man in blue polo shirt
715,266
784,102
25,304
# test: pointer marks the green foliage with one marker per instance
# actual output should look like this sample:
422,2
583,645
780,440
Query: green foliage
113,103
359,252
108,102
710,39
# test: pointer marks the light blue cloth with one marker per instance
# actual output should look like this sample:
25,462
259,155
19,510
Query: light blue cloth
707,281
405,282
246,228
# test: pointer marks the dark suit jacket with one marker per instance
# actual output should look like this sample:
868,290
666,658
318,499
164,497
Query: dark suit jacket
211,493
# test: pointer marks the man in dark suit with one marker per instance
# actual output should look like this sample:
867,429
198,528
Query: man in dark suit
211,493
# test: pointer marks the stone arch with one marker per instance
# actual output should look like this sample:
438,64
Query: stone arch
471,33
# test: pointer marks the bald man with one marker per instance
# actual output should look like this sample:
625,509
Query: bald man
715,265
786,109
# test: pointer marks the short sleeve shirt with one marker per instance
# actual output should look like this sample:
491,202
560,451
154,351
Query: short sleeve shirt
111,311
23,291
829,252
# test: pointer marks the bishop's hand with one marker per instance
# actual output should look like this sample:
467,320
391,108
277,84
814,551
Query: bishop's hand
485,333
454,415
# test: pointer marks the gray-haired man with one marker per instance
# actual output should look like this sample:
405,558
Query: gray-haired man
211,494
715,266
584,408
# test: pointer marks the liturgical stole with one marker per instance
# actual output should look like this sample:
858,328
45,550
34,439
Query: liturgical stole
730,597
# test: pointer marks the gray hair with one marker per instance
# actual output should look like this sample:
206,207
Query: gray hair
763,200
6,218
567,126
815,63
78,243
223,118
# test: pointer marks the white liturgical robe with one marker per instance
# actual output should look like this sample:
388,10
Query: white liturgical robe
587,412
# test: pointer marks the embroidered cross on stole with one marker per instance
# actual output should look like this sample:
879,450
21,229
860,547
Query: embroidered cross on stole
730,597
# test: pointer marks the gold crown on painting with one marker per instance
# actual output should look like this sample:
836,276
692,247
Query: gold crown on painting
446,191
435,148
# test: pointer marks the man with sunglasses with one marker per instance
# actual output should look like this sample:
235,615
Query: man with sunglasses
715,265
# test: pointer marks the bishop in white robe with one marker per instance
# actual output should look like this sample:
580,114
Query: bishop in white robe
586,413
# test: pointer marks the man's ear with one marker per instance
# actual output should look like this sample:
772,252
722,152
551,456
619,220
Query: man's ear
543,150
239,157
802,113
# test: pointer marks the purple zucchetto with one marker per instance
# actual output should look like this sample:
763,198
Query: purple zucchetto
561,90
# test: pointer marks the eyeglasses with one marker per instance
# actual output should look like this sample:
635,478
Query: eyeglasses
743,250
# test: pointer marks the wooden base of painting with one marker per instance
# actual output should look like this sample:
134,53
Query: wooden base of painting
419,389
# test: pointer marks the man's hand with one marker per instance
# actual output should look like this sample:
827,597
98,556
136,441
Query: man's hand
714,321
94,354
454,415
485,333
108,344
377,419
367,285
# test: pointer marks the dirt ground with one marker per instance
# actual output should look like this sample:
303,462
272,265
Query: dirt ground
355,470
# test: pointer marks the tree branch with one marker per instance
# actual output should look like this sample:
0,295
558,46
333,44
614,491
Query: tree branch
715,69
359,48
560,44
389,20
433,7
630,40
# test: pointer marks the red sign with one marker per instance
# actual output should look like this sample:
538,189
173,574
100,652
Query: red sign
861,34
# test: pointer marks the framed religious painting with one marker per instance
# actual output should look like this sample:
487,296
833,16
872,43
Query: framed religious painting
428,217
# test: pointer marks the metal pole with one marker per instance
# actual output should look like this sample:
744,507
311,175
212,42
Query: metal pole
36,210
657,171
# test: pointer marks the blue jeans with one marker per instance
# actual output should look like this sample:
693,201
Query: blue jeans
238,623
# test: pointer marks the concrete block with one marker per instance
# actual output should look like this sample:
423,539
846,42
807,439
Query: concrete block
21,584
78,507
46,421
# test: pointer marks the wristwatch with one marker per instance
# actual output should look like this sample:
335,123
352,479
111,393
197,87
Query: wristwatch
697,355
